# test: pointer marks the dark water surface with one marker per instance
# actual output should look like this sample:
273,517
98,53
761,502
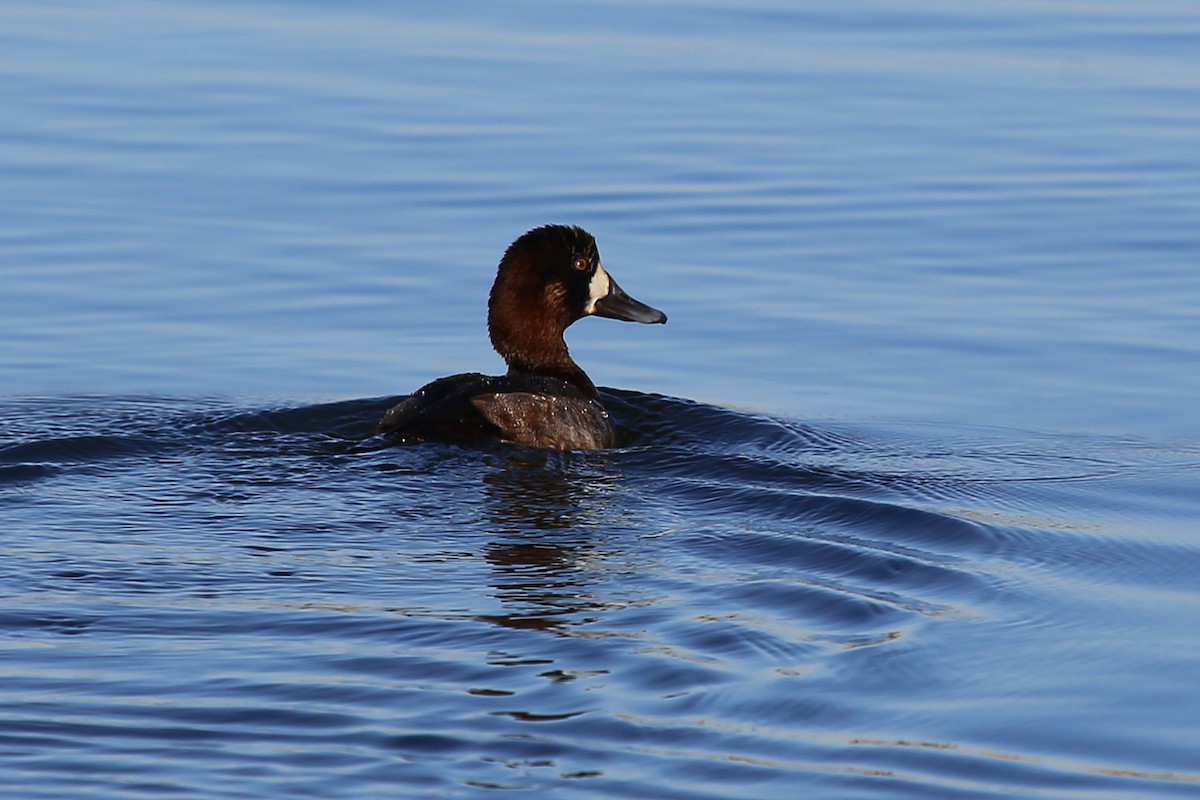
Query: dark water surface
203,601
910,506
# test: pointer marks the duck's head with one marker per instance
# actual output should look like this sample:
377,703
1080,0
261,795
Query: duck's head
548,278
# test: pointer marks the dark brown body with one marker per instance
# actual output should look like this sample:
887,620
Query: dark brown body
534,411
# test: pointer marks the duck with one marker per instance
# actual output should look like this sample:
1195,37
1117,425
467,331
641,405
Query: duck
548,278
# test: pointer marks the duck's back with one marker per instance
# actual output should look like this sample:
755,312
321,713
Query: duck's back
531,410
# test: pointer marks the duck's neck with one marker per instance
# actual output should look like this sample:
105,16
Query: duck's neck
533,344
561,366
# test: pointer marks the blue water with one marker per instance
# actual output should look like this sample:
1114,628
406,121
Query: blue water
911,503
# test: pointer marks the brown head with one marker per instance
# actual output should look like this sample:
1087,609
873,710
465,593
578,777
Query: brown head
548,278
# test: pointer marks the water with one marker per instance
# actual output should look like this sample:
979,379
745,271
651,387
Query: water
910,505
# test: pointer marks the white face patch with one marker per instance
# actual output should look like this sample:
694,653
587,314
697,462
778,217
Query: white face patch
597,288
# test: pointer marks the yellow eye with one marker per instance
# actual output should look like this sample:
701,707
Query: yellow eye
581,264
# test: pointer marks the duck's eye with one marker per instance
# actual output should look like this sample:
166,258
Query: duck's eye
581,264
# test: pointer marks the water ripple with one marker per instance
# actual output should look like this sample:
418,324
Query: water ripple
730,601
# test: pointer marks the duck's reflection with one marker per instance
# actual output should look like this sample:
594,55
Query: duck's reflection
546,509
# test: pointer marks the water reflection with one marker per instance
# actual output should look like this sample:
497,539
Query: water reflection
544,509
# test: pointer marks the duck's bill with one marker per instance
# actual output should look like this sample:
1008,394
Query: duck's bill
615,304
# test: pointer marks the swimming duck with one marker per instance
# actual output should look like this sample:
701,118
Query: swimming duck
548,278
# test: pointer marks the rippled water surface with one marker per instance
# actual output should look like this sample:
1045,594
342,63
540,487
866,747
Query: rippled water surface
909,504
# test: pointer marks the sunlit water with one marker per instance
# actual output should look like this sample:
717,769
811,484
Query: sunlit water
909,502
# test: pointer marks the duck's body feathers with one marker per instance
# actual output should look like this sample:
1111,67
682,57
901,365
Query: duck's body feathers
530,410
